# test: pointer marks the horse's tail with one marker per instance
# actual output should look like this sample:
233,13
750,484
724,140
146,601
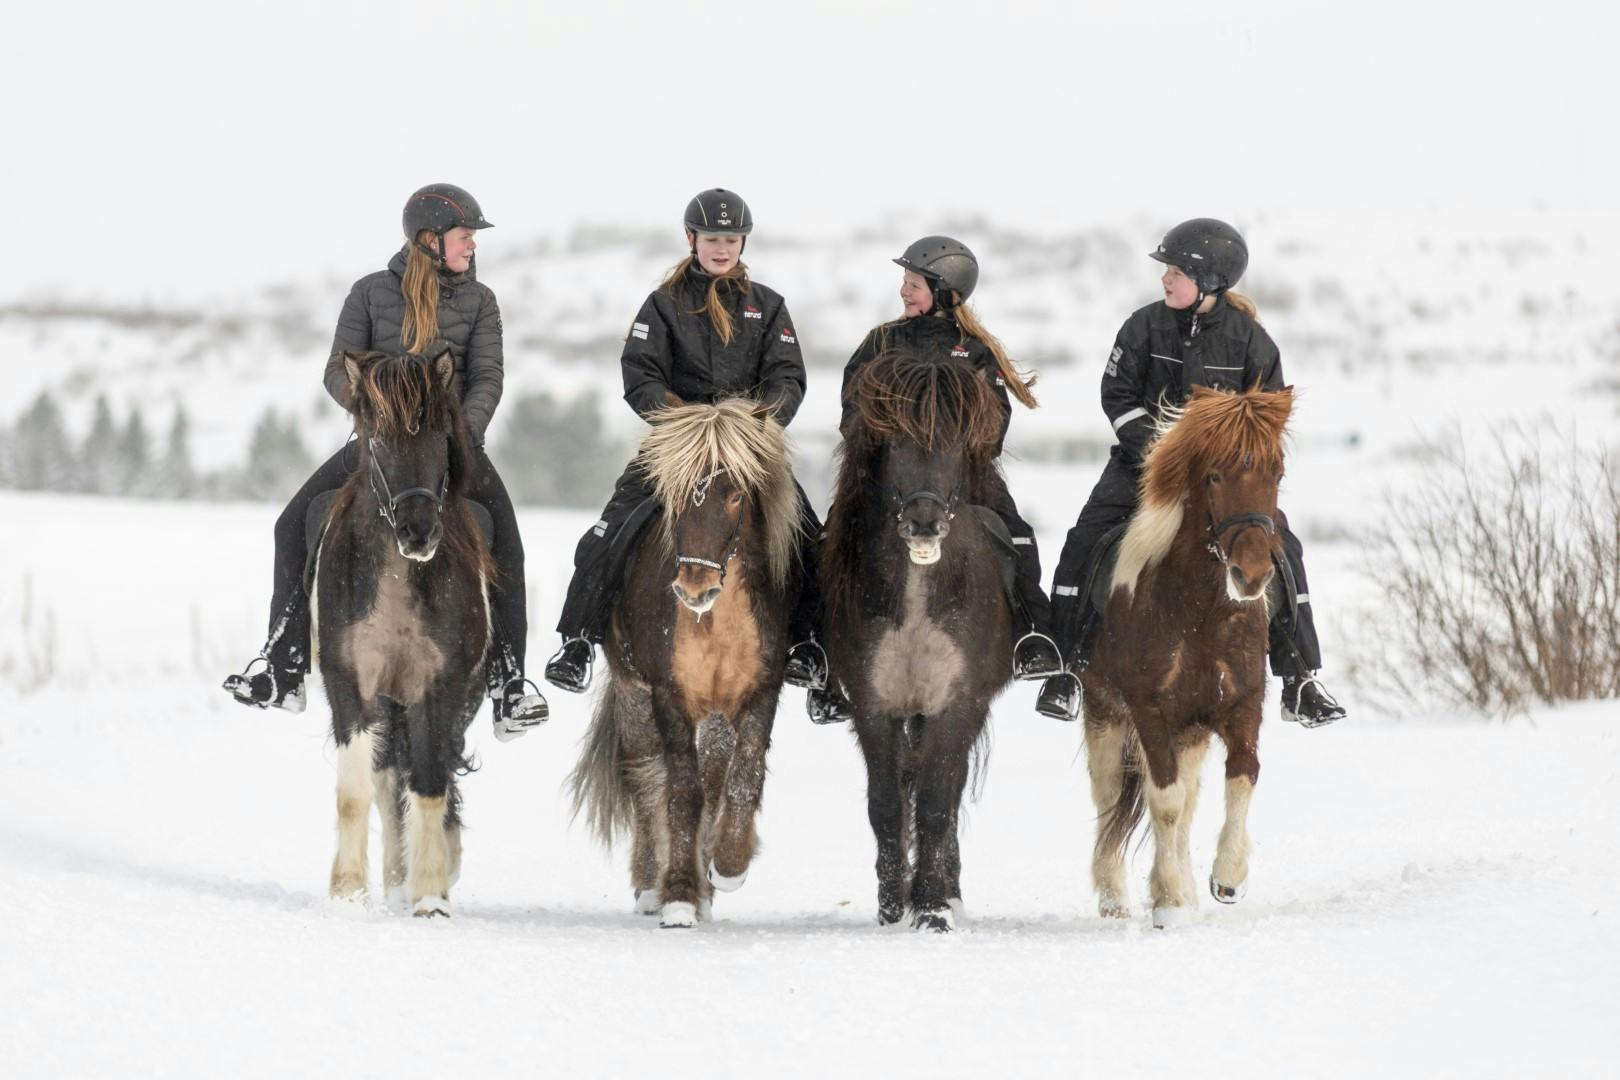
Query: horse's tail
1120,822
597,782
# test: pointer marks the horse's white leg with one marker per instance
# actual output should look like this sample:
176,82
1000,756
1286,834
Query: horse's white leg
427,854
1191,770
1230,877
355,790
393,842
1105,760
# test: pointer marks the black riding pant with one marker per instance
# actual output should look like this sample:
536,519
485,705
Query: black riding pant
1112,502
603,555
288,644
1031,598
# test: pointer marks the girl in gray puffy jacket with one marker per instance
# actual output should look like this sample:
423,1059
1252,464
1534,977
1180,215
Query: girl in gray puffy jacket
427,300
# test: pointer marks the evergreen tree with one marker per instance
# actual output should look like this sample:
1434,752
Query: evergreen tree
277,461
135,457
557,454
42,459
99,471
174,476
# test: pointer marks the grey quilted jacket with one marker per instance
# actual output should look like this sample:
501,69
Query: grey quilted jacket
373,318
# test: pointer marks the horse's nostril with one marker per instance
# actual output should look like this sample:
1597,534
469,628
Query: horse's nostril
1239,578
710,596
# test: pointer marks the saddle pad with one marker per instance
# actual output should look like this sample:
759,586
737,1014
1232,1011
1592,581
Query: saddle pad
315,528
997,529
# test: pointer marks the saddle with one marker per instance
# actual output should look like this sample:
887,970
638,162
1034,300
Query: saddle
315,523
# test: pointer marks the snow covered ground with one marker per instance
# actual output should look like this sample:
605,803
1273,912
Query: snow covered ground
1428,898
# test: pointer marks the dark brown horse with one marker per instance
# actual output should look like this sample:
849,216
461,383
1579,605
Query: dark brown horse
403,625
1182,651
919,627
695,654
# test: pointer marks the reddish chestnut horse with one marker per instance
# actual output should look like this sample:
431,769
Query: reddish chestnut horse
1183,647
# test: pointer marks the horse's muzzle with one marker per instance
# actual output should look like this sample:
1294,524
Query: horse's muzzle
697,588
1245,588
416,542
924,537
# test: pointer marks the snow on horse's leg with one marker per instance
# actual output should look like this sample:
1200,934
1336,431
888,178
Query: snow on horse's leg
1166,808
1230,878
355,791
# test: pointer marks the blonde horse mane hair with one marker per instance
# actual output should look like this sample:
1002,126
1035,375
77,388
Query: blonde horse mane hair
688,444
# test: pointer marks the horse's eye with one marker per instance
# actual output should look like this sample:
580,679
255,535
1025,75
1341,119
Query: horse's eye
1214,479
736,499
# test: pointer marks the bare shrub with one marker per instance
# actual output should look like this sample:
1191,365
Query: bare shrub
1501,576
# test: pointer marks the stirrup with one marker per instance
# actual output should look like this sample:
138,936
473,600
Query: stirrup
800,671
516,711
1045,666
829,706
290,699
555,670
1335,710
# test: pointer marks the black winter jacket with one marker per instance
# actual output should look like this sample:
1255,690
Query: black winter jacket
673,348
373,318
1158,359
928,334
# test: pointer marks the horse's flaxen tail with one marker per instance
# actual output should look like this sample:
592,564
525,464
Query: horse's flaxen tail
1120,823
597,782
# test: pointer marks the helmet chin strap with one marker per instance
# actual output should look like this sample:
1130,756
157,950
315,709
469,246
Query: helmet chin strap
436,256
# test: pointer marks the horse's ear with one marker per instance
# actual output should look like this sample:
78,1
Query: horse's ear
352,368
445,368
763,409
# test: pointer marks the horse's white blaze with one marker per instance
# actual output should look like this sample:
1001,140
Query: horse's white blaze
1232,849
678,913
355,792
427,848
1147,540
916,666
1105,761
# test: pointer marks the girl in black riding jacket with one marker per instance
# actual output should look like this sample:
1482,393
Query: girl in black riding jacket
428,299
708,332
940,274
1201,334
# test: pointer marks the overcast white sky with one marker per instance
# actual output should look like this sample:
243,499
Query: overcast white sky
171,149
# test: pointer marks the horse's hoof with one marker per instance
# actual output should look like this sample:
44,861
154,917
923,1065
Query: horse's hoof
724,883
678,913
1114,909
1166,917
888,916
349,889
937,921
648,902
1227,894
431,906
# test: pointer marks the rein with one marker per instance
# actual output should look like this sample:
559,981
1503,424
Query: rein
387,501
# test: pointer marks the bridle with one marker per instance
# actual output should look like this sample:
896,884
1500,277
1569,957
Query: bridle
700,492
387,500
948,504
1241,522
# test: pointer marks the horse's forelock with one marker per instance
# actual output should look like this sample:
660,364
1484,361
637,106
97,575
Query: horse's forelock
398,395
1216,429
936,403
689,443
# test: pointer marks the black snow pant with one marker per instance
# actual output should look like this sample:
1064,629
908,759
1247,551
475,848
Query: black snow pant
1294,647
603,555
1031,598
288,644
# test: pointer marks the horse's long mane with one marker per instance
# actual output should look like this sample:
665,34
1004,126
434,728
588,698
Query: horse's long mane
939,403
396,397
1215,429
688,443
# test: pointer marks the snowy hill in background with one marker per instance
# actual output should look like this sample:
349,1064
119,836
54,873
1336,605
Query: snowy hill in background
1392,328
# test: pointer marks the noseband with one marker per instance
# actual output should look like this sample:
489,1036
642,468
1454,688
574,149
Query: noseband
1242,522
387,501
924,495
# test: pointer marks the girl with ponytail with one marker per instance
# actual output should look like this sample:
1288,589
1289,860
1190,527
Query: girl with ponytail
940,275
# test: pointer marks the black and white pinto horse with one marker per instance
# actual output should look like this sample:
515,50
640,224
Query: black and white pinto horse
402,628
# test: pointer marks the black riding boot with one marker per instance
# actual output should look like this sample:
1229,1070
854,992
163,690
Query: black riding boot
1306,702
570,668
1060,695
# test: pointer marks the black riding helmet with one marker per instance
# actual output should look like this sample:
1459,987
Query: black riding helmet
947,264
440,208
1210,252
719,212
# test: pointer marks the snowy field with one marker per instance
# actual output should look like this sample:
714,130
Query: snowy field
1429,896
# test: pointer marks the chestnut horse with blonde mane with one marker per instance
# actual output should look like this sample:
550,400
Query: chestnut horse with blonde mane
1182,650
695,654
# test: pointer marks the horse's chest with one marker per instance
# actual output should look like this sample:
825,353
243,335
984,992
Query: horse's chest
916,664
389,649
715,659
